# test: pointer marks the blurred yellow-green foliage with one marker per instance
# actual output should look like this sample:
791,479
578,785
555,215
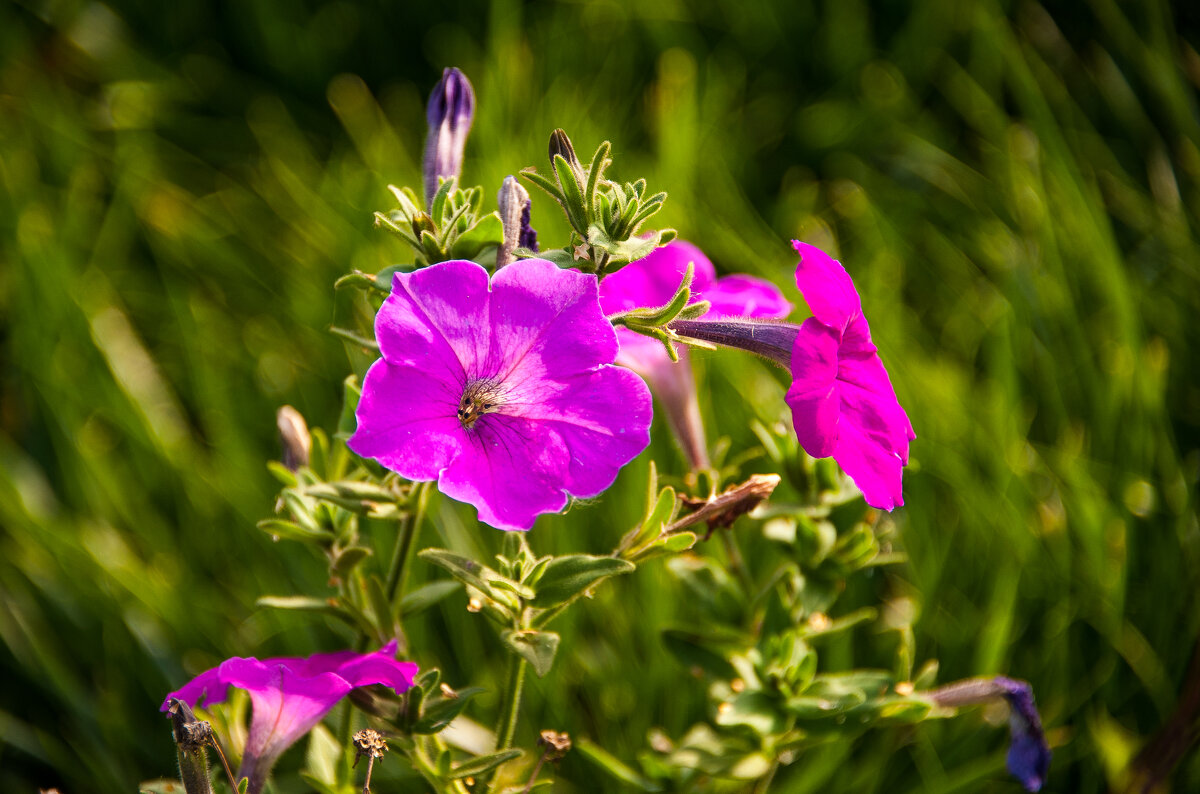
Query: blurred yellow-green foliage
1014,186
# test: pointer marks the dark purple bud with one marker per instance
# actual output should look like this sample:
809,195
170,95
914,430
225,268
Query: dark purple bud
1028,755
528,237
450,111
771,339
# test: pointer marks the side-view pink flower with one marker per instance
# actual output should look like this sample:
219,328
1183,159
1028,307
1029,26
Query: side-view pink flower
503,393
843,404
842,400
290,695
652,281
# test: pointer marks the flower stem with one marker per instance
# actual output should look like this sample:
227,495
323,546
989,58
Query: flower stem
506,726
406,545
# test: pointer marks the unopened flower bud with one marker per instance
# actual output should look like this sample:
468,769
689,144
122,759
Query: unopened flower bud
293,435
561,145
450,112
191,736
514,205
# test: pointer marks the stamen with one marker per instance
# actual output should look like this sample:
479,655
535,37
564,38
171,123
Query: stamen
480,397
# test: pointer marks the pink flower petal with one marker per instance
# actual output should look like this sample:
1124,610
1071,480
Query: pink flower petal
826,286
544,320
745,296
206,689
875,470
512,470
436,315
813,395
653,280
407,419
286,705
613,425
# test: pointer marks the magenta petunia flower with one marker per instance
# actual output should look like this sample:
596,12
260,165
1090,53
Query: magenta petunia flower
842,400
290,695
652,281
504,395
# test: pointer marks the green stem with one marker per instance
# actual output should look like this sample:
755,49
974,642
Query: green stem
737,563
406,546
506,726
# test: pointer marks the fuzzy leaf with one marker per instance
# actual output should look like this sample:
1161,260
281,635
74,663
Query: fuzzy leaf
536,647
483,764
566,577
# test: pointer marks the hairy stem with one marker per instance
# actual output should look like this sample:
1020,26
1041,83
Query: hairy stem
506,726
405,548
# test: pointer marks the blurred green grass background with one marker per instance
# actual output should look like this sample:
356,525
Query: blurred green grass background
1015,188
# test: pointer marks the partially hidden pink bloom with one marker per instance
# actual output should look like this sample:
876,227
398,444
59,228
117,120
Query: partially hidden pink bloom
842,400
290,695
843,404
651,282
503,392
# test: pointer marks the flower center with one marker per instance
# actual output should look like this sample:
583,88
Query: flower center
481,396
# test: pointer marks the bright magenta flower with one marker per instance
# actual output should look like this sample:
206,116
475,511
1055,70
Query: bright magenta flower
842,400
290,695
504,393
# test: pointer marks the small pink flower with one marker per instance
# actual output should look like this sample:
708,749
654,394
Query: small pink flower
290,695
842,400
843,404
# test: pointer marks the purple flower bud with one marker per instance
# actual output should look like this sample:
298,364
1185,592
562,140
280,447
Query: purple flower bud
1028,755
450,111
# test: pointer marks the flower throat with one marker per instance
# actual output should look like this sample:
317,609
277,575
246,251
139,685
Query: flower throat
481,396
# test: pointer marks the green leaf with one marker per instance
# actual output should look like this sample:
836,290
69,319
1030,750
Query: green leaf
756,710
351,393
674,543
323,755
594,174
290,530
571,193
536,647
163,786
347,559
426,596
385,620
438,206
545,183
614,766
441,711
688,649
482,764
487,231
562,257
320,786
330,607
466,570
567,577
